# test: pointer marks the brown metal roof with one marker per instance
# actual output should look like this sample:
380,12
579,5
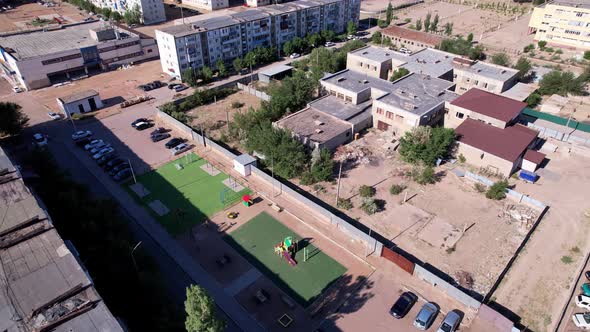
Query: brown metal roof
508,143
423,37
490,104
535,157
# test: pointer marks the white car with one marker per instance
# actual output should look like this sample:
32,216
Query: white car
329,44
40,140
81,134
583,301
582,320
92,144
54,115
405,50
294,55
103,153
17,89
180,148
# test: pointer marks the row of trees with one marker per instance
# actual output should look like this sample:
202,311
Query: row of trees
305,44
132,16
462,46
12,119
430,24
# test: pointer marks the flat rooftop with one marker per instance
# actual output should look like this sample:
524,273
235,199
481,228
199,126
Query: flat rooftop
338,108
430,62
520,91
379,54
275,70
84,94
315,125
38,43
486,69
569,3
418,93
409,34
356,82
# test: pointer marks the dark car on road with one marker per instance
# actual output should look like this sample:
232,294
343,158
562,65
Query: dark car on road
118,168
82,142
103,160
123,174
112,163
403,305
173,142
159,137
159,130
143,125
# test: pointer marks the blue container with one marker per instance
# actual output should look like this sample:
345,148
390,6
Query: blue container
528,176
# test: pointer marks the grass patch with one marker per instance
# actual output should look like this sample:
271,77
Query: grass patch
304,282
566,260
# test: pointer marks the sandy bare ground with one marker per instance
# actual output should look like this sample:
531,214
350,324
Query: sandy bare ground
536,287
19,17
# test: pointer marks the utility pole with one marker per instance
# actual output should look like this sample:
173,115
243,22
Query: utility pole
132,172
133,258
72,120
272,170
338,187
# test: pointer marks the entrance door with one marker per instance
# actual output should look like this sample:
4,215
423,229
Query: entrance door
81,108
382,126
92,104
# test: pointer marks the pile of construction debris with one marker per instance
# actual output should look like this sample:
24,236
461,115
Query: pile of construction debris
524,216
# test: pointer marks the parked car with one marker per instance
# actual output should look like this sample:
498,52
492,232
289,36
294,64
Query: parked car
180,87
103,153
54,116
403,305
17,89
329,44
586,289
40,140
587,274
173,85
173,142
81,134
159,130
450,323
294,55
180,148
583,301
104,159
136,121
144,87
118,168
143,125
405,50
83,141
159,137
92,144
113,163
426,316
99,147
582,320
123,174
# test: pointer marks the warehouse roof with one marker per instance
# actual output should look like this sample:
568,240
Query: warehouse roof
315,125
422,37
490,104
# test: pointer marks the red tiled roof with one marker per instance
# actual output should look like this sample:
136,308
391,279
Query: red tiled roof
508,143
535,157
490,104
423,37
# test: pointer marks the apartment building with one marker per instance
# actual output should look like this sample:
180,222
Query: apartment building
207,4
42,58
152,11
469,74
206,39
562,23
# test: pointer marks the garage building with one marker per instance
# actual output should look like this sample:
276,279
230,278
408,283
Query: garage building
80,102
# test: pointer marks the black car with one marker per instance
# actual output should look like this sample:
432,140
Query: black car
144,87
143,125
403,305
159,137
172,85
173,142
123,174
112,163
160,130
83,141
118,168
138,121
104,159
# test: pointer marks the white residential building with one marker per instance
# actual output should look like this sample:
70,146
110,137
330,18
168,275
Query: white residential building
207,4
206,39
152,11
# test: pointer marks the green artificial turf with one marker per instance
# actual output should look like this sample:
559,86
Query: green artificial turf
304,282
191,194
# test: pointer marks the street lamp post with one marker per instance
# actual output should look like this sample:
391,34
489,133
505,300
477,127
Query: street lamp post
133,258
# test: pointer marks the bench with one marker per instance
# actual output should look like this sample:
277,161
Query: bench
276,207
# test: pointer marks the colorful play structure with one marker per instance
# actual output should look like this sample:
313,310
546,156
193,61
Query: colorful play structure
247,200
287,248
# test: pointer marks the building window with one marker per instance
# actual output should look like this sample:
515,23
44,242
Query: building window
340,96
460,115
349,99
332,92
390,115
485,85
379,110
476,82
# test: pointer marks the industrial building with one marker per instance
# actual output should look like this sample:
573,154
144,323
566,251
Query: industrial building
41,58
152,11
562,23
209,38
486,76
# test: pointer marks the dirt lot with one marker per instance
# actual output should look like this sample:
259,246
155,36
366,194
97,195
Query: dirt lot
20,17
213,117
537,286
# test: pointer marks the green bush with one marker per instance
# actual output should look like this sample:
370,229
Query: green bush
237,104
366,191
425,176
498,190
566,260
344,204
529,48
587,55
396,189
548,50
533,100
462,159
369,206
542,44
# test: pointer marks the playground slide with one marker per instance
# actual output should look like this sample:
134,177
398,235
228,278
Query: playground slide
289,259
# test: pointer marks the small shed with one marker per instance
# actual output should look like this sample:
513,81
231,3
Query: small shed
275,72
80,102
243,163
532,160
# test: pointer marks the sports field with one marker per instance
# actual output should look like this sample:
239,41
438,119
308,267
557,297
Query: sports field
304,282
191,194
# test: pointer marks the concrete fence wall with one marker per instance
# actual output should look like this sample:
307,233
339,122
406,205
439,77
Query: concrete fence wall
422,273
254,92
515,195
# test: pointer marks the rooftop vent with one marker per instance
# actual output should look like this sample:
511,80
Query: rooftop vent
340,79
365,52
365,81
409,106
437,61
318,131
386,54
503,71
318,123
400,91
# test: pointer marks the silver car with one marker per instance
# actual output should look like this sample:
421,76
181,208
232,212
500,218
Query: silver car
426,316
450,323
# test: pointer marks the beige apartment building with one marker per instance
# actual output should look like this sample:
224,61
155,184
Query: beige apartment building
469,74
374,61
563,23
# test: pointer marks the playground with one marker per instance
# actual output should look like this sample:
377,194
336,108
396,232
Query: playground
186,192
292,262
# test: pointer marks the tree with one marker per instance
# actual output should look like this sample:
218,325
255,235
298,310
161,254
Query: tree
424,175
561,83
533,100
132,16
189,77
316,40
389,13
328,35
201,312
366,191
427,22
106,13
498,190
116,16
434,24
524,66
476,53
206,74
449,28
470,37
399,73
351,28
501,59
419,24
288,48
238,64
587,55
542,44
221,70
322,168
12,119
369,206
426,144
376,38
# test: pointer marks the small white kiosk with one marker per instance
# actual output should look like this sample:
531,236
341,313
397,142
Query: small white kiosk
243,162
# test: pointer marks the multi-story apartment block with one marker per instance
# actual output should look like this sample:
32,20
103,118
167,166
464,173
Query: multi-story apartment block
563,23
209,38
41,58
208,4
469,74
152,11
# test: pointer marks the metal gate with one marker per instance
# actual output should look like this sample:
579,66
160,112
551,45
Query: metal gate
398,260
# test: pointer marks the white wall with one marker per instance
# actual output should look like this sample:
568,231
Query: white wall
73,107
